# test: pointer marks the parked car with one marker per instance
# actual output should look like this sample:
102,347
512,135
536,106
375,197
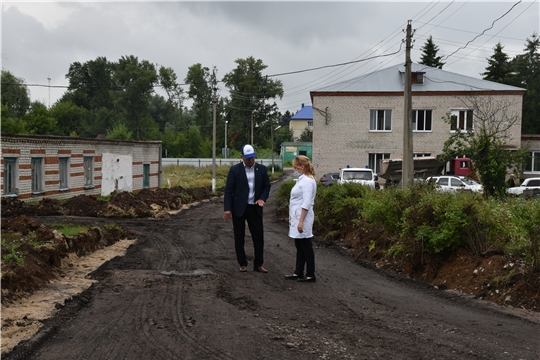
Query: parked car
364,176
527,184
329,179
447,183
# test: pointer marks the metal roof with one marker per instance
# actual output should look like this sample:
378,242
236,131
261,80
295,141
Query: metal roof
392,80
306,112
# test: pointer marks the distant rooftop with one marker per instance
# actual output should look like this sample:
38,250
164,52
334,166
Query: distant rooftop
306,112
392,80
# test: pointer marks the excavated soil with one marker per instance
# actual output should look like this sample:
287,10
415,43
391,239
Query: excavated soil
177,292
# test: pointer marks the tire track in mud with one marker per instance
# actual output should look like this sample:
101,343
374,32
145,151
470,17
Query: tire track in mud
171,304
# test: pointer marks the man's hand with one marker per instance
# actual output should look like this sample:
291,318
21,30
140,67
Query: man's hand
260,202
227,215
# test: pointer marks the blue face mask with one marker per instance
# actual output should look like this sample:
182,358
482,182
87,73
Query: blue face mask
296,173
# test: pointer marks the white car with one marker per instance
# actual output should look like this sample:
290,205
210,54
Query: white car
362,176
527,184
449,183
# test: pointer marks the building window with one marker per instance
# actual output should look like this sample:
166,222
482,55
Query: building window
88,171
380,120
10,176
461,119
533,162
146,176
417,78
37,175
310,123
375,161
63,164
421,120
421,154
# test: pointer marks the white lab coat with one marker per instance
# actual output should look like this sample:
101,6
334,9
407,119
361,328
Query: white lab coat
302,197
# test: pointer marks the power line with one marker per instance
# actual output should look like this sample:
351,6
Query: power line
482,33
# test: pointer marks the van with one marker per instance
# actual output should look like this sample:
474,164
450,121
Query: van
362,176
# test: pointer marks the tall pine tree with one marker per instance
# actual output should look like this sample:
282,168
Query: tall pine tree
498,69
429,55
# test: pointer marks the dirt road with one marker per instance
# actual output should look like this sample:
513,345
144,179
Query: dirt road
178,294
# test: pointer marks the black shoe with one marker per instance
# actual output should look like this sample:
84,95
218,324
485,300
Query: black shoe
291,277
307,279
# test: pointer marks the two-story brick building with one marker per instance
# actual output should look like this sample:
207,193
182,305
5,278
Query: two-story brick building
360,121
37,166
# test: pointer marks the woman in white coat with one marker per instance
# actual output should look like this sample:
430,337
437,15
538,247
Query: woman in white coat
301,219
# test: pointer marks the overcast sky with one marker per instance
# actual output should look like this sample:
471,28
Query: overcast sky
41,39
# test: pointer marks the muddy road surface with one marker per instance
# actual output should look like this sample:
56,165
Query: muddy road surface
178,294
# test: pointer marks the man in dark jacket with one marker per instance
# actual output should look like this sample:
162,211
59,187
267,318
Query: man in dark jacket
246,191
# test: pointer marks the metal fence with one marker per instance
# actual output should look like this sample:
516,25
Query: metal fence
202,162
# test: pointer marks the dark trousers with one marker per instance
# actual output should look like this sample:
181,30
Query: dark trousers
304,256
255,225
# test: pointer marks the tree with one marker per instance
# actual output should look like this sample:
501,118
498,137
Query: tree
200,82
498,69
90,84
69,118
526,73
175,95
429,54
135,82
247,107
119,132
11,125
486,143
306,135
14,94
39,120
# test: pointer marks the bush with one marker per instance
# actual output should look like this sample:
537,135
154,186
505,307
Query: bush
420,221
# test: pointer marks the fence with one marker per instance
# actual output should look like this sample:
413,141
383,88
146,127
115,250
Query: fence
203,162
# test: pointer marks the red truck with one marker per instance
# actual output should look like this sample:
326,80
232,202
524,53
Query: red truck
462,166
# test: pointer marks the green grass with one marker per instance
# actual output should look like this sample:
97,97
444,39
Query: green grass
70,230
190,177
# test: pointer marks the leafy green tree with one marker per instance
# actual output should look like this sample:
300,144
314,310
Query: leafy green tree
15,96
176,98
98,121
119,132
11,125
306,135
194,143
90,84
39,120
162,112
486,143
69,118
498,69
200,81
429,55
135,82
248,104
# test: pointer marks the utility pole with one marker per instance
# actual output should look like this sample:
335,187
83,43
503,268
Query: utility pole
49,78
407,165
225,155
214,101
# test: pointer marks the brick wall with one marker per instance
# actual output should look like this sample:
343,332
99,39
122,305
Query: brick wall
50,148
347,140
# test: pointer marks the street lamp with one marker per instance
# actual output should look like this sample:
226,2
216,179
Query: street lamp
225,155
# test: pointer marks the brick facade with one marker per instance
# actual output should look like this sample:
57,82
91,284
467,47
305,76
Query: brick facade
123,169
342,136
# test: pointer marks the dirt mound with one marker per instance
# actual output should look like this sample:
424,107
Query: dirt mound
145,203
34,259
492,276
